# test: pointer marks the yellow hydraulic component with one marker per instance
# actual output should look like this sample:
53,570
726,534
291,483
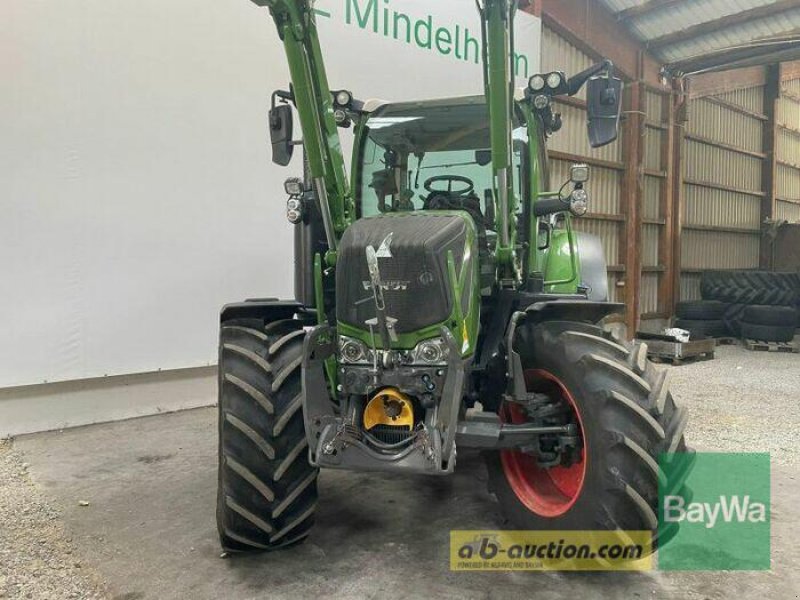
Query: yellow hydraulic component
389,406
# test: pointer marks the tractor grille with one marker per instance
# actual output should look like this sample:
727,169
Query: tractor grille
413,266
390,434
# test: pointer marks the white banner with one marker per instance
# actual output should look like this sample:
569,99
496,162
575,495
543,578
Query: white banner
137,193
414,49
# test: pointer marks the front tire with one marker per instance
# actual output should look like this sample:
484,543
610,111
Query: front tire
626,417
267,491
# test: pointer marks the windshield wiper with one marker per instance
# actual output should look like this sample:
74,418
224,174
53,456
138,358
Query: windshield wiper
450,166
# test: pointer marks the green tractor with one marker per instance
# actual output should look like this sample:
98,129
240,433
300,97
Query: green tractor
443,302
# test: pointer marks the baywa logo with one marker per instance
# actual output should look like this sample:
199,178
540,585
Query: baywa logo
719,517
729,508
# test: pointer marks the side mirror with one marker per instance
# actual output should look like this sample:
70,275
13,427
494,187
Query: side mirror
280,134
603,104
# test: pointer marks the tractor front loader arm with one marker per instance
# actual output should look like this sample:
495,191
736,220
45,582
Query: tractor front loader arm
497,26
297,28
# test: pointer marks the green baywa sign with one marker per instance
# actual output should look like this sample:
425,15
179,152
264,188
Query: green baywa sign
722,512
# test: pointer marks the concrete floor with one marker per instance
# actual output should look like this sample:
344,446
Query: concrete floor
149,529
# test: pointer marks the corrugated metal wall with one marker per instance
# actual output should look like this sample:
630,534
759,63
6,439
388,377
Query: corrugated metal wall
570,144
722,190
722,160
652,206
787,152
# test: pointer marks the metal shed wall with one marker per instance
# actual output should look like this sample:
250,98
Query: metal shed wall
787,177
723,154
655,156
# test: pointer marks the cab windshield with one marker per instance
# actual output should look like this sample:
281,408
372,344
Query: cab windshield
432,156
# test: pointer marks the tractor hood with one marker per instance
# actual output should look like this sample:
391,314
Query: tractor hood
412,250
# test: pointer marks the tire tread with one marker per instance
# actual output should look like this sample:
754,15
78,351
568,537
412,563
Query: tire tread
267,490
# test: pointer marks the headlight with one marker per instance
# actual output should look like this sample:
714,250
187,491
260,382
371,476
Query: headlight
430,352
540,102
554,80
578,202
343,98
294,210
353,351
340,116
536,83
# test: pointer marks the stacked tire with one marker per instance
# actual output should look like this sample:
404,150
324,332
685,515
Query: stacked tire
769,323
757,305
701,318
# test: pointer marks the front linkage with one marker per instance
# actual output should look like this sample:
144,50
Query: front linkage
337,440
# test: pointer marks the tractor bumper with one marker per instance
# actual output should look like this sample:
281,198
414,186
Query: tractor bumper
337,441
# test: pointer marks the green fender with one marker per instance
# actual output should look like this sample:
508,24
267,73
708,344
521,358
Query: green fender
562,271
587,271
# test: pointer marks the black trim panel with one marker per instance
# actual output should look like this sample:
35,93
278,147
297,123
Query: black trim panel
268,309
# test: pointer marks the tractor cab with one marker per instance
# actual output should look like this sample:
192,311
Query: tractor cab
436,156
432,156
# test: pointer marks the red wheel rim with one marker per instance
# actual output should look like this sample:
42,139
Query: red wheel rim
546,492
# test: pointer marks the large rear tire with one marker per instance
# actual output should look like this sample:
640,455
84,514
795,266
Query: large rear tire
626,416
751,287
267,490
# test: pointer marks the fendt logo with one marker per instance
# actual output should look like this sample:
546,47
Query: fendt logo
391,285
731,508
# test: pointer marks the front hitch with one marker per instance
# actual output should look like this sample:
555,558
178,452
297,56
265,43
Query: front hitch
336,438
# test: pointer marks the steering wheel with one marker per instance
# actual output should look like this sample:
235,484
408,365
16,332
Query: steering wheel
468,188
